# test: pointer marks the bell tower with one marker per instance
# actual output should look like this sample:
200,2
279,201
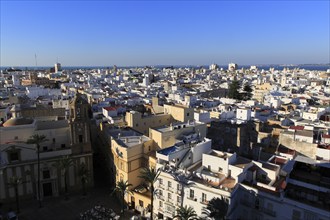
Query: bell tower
80,124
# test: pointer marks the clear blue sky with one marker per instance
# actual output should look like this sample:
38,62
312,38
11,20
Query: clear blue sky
128,33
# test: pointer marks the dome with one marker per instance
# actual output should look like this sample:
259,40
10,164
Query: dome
17,121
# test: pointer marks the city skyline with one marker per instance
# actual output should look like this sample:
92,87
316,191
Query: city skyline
85,33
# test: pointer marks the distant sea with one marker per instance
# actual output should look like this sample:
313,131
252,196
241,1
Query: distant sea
319,67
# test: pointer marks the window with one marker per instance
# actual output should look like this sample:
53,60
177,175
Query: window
53,140
16,138
13,156
187,114
62,145
46,174
296,215
178,199
136,125
169,184
191,194
169,196
160,181
270,206
178,187
160,192
160,204
256,204
203,197
141,203
80,138
310,216
209,167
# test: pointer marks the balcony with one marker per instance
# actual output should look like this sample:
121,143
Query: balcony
161,186
178,191
161,197
204,201
169,200
171,189
192,198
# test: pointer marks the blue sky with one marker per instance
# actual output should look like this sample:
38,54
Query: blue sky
129,33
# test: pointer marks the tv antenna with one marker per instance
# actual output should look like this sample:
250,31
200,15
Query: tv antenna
35,57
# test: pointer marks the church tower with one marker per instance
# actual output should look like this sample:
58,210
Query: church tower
80,125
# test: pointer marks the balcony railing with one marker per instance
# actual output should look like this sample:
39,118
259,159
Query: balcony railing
169,200
170,189
204,201
192,198
161,186
161,197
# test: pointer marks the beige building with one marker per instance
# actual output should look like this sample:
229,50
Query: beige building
172,113
132,152
130,156
166,136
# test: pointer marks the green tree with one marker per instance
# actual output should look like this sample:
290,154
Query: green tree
122,188
217,208
233,91
63,165
248,92
37,140
15,182
150,175
185,213
84,176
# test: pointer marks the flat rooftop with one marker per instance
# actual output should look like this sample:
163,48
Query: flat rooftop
241,162
131,141
175,126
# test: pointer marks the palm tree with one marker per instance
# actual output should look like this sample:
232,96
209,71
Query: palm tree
37,140
14,182
185,213
150,175
63,165
84,175
217,208
122,189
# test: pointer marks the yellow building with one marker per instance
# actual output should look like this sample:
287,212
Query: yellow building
140,123
260,91
134,152
172,113
131,155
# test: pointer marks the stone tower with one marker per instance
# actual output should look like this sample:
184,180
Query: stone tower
80,125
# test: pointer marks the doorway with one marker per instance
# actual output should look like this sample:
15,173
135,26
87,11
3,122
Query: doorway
47,188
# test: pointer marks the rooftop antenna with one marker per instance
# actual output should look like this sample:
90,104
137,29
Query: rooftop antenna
35,57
